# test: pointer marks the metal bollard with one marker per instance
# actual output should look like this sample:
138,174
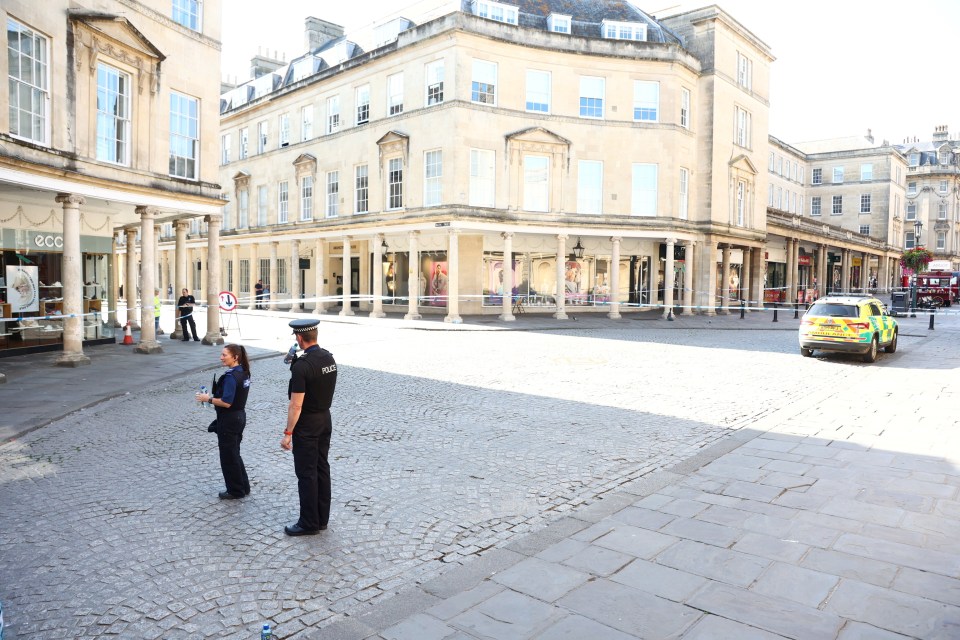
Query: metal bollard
774,314
931,321
796,311
741,309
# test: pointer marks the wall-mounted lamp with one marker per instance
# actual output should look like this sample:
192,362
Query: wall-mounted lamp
383,247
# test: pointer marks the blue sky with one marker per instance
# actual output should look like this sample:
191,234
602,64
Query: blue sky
842,66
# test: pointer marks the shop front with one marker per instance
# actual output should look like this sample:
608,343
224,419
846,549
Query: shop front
31,290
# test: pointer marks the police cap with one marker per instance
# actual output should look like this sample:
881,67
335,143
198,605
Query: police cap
303,325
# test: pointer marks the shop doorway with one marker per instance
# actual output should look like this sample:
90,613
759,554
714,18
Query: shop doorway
352,280
639,280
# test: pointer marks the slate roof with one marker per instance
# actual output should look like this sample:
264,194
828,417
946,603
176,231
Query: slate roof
586,19
587,15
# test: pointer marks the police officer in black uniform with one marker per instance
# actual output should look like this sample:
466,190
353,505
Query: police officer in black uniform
229,397
313,379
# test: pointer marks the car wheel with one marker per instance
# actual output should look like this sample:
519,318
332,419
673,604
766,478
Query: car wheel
871,356
892,347
806,353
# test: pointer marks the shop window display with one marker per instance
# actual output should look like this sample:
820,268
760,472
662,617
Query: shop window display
433,278
586,280
31,298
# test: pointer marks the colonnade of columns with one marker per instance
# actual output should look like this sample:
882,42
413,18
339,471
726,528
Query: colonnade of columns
885,265
699,258
150,259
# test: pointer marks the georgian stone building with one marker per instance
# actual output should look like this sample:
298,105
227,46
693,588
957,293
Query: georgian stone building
933,195
496,156
112,120
835,218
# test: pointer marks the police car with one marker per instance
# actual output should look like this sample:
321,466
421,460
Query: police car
848,324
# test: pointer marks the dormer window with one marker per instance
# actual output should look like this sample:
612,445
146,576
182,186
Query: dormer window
944,158
623,30
558,23
913,159
496,11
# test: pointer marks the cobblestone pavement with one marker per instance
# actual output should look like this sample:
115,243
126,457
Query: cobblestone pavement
446,445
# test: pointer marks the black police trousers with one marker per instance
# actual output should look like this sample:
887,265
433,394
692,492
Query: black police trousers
229,436
311,443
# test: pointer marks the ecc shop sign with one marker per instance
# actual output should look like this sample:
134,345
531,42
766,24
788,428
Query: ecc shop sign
44,241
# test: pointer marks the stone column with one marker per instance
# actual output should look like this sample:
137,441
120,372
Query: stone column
295,276
413,278
113,278
205,260
72,290
376,249
725,284
756,285
254,275
453,278
561,313
614,312
845,271
180,260
213,282
688,267
791,283
668,279
345,309
746,269
320,275
821,270
130,287
271,302
707,276
506,301
148,269
884,278
164,277
158,260
864,271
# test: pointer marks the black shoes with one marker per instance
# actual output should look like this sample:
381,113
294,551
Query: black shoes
185,340
226,495
196,339
297,530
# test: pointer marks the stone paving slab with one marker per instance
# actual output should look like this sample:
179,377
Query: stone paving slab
850,547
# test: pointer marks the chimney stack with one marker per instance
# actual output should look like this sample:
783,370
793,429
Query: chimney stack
869,136
941,134
317,33
262,64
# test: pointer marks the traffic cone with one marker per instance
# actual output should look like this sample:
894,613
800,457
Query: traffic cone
127,334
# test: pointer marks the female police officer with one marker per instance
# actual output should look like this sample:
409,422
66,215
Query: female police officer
229,398
313,378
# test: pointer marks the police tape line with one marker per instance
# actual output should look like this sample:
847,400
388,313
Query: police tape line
518,301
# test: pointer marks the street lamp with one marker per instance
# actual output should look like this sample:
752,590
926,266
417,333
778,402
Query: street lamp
578,249
383,247
917,230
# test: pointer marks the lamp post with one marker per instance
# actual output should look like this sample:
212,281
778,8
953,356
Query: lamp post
917,229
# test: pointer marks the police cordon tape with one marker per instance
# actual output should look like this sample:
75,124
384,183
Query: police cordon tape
545,302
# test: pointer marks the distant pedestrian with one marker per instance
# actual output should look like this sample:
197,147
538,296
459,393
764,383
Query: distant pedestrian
229,398
258,294
185,305
156,311
313,379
